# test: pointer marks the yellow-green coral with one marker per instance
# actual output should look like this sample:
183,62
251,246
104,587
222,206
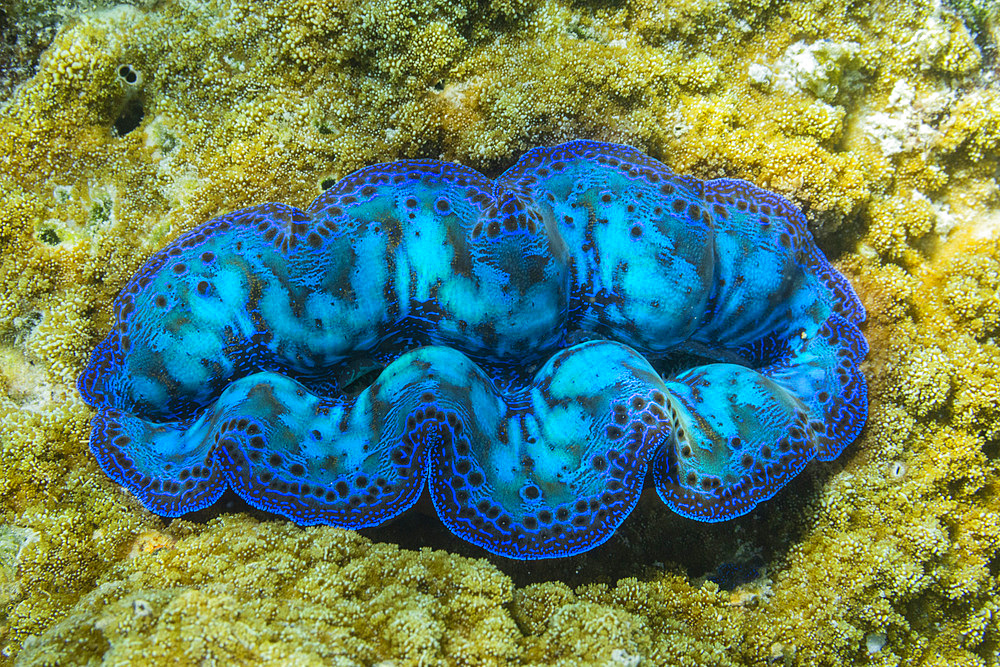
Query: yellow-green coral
883,557
250,593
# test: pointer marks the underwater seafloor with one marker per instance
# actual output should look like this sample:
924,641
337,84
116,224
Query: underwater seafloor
123,126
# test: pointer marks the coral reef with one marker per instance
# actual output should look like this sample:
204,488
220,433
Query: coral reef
138,123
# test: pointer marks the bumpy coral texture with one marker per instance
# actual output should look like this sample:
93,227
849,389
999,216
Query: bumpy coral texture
526,349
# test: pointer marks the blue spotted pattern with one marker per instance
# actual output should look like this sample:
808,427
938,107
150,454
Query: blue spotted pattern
531,350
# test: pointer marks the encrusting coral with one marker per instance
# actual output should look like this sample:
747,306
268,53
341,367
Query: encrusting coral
137,123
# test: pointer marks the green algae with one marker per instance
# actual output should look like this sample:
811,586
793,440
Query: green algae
878,118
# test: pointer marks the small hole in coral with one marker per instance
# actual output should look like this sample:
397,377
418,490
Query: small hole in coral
128,75
129,118
141,608
48,237
327,183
